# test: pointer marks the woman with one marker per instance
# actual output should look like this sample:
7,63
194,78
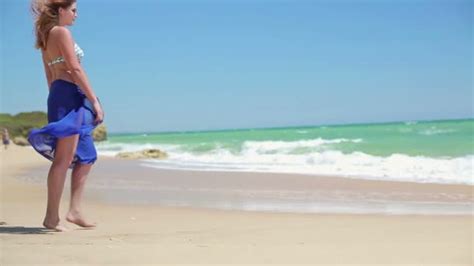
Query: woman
73,110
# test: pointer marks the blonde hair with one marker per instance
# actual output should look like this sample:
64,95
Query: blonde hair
46,16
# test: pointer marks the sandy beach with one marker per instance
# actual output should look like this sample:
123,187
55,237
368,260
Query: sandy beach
149,233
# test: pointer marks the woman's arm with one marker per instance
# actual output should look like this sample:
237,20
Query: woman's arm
66,47
47,70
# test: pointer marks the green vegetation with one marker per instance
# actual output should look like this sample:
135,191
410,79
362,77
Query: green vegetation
21,124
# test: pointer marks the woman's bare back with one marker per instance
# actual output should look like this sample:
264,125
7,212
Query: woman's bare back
57,71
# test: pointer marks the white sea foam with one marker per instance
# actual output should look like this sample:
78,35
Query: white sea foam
112,149
263,147
435,131
278,157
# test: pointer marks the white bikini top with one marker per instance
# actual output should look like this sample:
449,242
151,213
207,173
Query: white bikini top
79,53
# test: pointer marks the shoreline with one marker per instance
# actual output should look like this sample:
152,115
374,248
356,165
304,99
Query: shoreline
151,164
142,234
148,163
121,181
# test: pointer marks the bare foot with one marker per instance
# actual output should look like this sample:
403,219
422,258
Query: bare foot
54,225
76,218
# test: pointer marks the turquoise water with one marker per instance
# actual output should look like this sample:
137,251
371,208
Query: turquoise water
428,149
451,138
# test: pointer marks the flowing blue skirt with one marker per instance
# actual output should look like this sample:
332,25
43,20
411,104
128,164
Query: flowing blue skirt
69,113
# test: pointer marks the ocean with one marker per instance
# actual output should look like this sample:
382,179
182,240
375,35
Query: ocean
417,151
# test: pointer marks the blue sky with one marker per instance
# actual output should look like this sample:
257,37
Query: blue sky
204,65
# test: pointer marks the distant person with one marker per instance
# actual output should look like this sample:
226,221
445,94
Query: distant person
73,110
5,138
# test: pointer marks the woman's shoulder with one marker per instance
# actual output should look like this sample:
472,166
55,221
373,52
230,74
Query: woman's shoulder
60,31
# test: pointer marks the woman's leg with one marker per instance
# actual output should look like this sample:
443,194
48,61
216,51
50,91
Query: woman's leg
78,181
64,154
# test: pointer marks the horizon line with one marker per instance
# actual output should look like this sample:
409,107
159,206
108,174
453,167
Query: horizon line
285,127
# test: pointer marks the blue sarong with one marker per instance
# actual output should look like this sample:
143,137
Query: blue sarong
69,113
